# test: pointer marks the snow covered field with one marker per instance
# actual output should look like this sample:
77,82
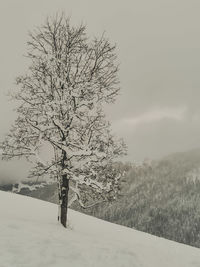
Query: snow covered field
31,237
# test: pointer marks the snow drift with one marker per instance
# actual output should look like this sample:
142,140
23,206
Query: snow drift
31,237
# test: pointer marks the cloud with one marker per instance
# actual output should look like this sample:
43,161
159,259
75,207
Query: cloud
152,116
157,115
13,171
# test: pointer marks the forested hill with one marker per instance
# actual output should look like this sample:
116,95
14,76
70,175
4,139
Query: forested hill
161,198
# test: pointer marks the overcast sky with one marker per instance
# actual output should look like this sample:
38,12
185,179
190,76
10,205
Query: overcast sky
158,47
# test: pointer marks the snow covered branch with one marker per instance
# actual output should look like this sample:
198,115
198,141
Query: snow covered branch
61,100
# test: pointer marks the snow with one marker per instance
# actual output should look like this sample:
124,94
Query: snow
30,236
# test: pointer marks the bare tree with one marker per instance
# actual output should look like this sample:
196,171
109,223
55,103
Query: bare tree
61,103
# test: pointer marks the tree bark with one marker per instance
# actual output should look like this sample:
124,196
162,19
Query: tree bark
64,200
63,193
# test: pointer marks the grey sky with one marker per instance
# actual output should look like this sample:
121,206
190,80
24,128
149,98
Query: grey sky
158,45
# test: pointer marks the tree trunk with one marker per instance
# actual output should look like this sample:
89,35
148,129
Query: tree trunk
64,200
63,193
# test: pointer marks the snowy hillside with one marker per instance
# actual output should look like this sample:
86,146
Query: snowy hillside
31,237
